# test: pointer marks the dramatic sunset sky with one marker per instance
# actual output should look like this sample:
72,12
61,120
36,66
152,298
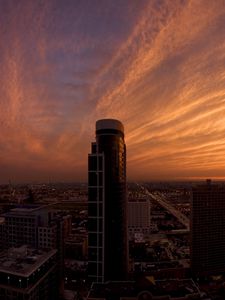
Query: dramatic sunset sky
158,66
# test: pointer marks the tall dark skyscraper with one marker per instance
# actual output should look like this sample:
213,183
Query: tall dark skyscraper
208,229
107,204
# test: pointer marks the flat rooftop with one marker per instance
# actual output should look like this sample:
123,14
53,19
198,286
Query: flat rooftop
23,261
29,209
159,289
137,200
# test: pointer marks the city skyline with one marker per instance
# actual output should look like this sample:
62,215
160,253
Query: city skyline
158,66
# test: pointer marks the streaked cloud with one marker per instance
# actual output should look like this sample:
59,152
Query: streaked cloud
156,65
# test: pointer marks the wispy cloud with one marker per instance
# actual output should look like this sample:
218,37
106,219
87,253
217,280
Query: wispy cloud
158,66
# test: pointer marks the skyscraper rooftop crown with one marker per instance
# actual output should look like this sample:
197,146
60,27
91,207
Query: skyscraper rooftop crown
109,124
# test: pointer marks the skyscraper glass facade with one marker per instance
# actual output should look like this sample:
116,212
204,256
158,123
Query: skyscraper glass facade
107,207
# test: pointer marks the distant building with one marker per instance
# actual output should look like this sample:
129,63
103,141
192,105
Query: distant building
107,205
139,216
34,225
2,234
76,246
146,289
208,229
28,274
39,227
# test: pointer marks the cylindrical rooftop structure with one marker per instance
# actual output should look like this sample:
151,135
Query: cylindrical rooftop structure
104,124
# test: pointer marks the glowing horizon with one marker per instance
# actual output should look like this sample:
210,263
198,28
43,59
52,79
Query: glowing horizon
158,66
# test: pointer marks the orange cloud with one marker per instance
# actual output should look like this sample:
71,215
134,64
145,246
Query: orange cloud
159,67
